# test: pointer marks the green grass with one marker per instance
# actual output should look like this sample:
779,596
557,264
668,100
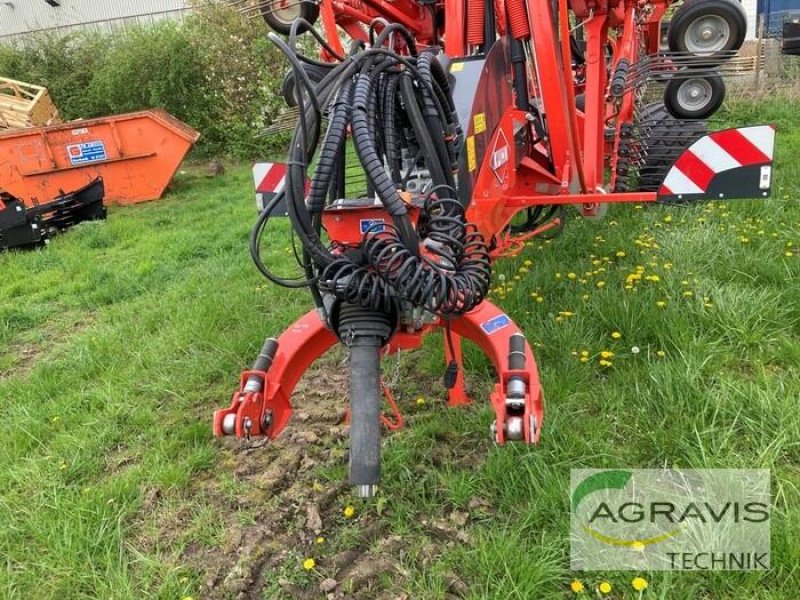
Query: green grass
118,340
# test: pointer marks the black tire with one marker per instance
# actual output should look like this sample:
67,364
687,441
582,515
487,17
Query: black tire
722,14
280,18
315,73
679,99
662,138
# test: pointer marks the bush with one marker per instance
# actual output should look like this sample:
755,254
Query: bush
217,72
243,74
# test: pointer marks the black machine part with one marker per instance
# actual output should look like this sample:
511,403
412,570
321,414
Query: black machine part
17,228
25,227
364,332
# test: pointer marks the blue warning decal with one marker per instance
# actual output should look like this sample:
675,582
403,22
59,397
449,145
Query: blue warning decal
495,324
372,225
87,152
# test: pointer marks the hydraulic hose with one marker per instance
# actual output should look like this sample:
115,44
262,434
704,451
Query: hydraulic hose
365,407
401,116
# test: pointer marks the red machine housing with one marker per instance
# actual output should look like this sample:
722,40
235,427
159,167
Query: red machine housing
544,124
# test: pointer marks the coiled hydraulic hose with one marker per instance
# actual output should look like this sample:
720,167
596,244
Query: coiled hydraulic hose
400,113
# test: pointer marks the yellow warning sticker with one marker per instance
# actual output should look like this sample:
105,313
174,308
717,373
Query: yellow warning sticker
456,67
479,121
472,160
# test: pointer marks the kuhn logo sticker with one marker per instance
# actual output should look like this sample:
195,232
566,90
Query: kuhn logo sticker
500,157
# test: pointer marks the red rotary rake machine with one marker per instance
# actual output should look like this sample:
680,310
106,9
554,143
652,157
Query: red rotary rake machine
476,123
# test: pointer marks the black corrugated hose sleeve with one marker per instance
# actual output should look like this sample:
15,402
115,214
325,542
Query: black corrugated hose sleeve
331,151
373,166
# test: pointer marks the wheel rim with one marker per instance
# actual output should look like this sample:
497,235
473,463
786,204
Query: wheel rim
285,11
707,35
695,94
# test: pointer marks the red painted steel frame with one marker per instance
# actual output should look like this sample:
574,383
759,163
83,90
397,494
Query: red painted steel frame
309,338
576,146
567,167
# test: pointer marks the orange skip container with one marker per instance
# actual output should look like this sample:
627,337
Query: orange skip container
136,154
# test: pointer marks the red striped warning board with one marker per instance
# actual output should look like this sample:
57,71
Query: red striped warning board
733,163
270,179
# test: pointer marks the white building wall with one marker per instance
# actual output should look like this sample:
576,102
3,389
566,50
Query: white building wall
19,17
751,10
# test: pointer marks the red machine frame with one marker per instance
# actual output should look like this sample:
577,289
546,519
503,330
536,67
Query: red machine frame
568,166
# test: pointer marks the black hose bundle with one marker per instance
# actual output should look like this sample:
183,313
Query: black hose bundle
401,115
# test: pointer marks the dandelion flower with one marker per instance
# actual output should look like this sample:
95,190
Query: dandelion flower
615,335
576,586
320,540
605,363
309,564
601,284
688,294
604,587
620,254
661,354
349,512
420,401
606,354
571,275
584,359
661,304
639,584
584,353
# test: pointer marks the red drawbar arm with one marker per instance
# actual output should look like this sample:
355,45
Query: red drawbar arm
267,412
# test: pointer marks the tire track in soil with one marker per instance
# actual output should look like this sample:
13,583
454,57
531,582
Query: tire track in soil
280,494
281,478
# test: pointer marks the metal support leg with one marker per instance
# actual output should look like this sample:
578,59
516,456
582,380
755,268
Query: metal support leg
457,395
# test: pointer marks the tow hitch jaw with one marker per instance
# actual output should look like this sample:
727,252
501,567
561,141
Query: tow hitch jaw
262,407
